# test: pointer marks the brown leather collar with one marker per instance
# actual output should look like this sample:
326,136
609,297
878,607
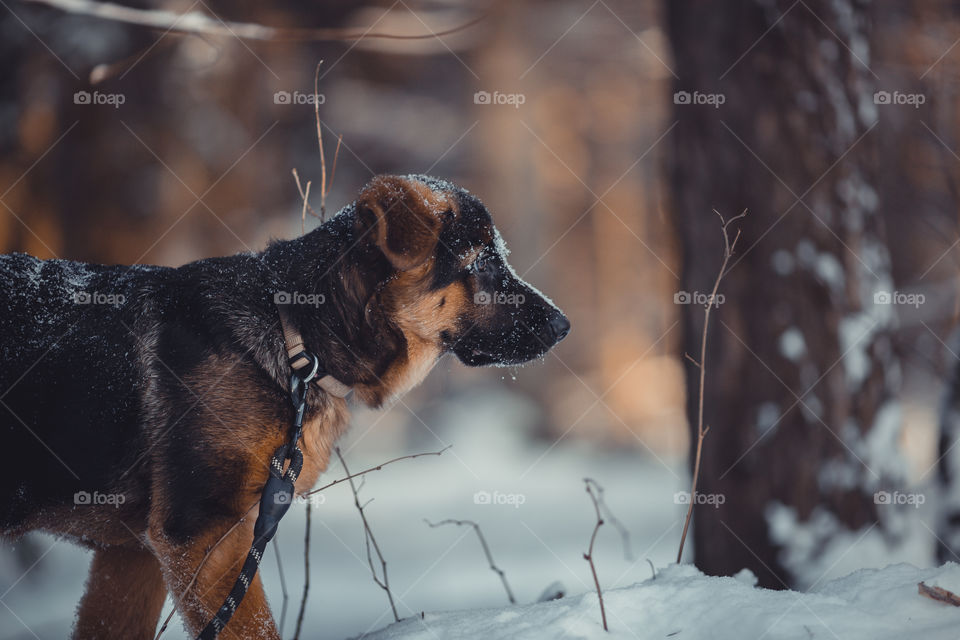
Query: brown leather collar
295,348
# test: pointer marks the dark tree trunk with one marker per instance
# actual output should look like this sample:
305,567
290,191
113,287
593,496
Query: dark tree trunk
801,376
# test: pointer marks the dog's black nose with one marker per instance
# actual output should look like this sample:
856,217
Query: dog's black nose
559,327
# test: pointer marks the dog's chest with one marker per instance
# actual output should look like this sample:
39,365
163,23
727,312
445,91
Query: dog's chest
320,434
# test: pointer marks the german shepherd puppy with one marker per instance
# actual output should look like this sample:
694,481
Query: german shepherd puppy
140,405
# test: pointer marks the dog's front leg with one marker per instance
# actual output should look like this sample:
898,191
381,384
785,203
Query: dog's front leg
124,595
252,618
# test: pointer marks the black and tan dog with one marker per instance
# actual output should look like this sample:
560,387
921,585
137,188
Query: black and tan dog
140,405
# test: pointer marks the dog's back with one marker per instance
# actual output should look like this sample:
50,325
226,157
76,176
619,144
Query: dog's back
66,342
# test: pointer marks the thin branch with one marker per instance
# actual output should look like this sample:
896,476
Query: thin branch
304,194
486,550
370,540
938,593
323,160
306,575
728,249
283,586
588,556
203,561
608,516
377,468
325,186
333,174
196,23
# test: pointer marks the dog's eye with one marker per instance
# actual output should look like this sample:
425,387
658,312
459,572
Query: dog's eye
482,264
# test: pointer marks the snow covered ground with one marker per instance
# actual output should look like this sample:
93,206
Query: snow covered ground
538,521
683,603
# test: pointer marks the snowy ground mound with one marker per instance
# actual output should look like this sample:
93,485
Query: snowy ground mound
681,602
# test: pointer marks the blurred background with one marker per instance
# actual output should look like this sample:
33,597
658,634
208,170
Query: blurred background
606,138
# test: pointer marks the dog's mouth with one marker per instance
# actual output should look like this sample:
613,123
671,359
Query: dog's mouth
472,354
506,350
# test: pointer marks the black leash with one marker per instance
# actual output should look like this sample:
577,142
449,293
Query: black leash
274,501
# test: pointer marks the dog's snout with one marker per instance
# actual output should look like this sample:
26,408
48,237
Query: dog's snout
559,327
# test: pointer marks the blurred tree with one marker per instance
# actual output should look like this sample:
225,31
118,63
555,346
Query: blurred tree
801,380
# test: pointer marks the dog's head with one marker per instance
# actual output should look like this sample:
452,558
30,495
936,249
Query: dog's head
427,273
453,285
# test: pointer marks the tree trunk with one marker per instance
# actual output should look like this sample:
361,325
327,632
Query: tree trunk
801,376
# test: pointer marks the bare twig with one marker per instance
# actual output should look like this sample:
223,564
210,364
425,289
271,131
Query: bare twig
938,593
377,468
486,550
333,174
325,186
203,561
370,540
608,516
306,575
323,160
283,586
728,248
305,194
588,556
196,23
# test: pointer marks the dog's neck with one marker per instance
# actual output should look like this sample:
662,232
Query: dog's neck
333,280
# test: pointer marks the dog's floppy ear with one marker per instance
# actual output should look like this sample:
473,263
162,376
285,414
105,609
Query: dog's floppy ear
402,218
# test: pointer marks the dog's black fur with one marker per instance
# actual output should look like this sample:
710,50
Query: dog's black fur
110,395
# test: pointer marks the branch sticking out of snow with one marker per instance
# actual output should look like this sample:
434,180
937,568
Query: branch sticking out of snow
486,550
728,248
588,556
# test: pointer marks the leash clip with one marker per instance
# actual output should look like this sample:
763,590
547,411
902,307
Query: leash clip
309,357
